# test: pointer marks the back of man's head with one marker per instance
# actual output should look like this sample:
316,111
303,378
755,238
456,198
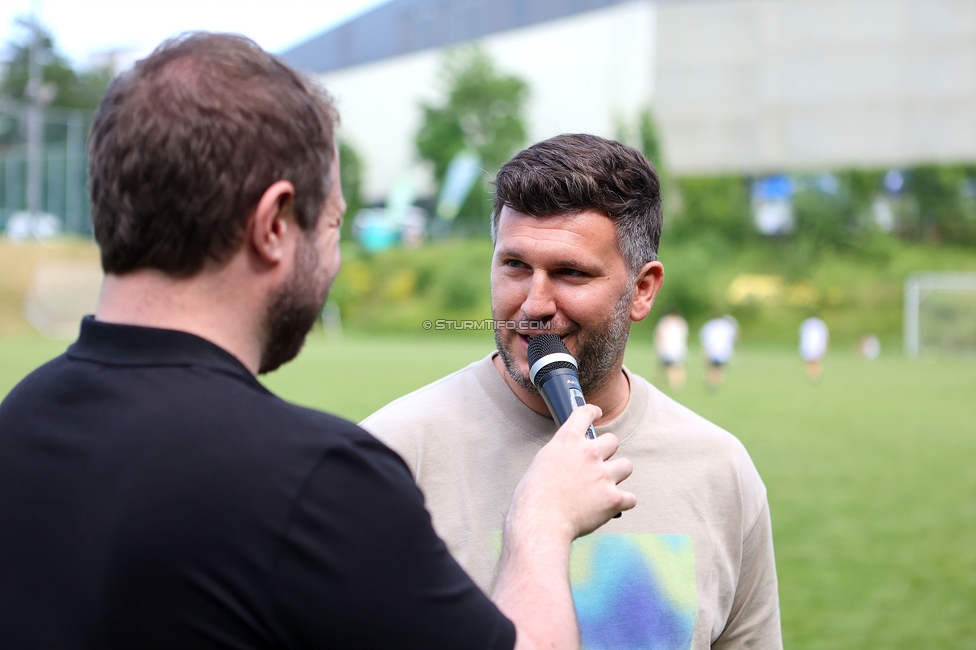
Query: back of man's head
183,146
571,173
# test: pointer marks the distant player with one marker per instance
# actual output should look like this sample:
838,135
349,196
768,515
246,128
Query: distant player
814,336
671,342
869,346
718,337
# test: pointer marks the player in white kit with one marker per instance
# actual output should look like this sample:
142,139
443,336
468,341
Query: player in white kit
671,342
814,337
718,337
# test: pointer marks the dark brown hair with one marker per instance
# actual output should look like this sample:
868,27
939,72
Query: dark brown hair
183,146
571,173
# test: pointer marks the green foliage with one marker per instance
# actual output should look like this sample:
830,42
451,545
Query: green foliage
687,270
946,205
855,292
69,90
860,187
465,284
823,221
644,137
482,110
718,206
351,175
832,213
397,289
650,144
75,89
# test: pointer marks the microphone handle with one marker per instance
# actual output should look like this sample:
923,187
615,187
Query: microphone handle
561,391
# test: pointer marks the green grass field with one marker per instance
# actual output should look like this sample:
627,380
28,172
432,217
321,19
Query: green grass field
870,472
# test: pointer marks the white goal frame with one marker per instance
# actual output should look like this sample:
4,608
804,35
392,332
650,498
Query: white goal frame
918,286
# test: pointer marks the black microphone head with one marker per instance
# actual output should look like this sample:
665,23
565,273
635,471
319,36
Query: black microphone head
548,345
545,344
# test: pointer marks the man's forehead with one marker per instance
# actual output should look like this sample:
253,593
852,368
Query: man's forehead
591,221
509,211
574,233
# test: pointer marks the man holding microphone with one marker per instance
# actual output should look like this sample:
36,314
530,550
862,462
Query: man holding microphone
153,494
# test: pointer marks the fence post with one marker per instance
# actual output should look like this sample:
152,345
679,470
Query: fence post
74,189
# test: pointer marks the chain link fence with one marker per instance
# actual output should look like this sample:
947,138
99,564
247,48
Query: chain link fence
63,166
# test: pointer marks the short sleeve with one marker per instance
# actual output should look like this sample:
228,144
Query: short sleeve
754,621
360,565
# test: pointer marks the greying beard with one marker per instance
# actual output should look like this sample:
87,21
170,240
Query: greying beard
510,364
599,357
598,354
293,311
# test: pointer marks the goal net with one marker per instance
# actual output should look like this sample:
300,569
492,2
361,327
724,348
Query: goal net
940,314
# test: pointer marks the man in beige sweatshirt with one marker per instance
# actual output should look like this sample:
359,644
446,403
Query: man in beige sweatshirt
576,225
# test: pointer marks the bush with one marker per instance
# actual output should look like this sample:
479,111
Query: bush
397,289
716,205
946,197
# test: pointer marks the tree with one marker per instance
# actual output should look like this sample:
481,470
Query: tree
83,90
643,136
482,110
712,206
649,140
351,177
945,196
65,88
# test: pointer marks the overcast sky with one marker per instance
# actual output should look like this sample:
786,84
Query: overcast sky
85,27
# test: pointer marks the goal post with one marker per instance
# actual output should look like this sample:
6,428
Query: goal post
940,311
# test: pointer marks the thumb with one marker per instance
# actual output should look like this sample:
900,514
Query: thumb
579,420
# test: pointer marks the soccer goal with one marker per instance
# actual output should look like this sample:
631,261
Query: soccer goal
940,313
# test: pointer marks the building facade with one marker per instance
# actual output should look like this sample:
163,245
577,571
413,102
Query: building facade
749,86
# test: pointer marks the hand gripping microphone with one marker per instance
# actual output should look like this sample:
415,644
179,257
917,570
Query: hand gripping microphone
553,371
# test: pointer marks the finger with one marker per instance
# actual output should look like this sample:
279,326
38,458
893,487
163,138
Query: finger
619,469
628,500
580,419
608,444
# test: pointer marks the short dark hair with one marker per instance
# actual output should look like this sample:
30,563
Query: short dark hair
574,172
184,144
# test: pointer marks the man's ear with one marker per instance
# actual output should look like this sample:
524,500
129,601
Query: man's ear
273,224
648,282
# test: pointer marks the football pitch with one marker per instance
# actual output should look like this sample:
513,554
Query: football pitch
870,472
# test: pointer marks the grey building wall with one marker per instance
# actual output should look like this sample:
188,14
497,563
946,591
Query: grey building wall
763,85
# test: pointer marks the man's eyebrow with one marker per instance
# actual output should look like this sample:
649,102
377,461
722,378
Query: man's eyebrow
574,264
566,263
508,252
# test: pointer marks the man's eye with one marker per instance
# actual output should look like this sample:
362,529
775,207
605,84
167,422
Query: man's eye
515,264
573,273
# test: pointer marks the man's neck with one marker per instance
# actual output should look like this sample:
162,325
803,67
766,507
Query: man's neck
612,397
206,305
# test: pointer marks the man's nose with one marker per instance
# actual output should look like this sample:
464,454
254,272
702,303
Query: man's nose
540,303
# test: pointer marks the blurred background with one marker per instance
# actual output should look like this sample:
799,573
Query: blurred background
818,158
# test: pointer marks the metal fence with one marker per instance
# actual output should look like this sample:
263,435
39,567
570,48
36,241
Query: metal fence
63,165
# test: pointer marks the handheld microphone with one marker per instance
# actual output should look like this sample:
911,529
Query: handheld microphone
553,371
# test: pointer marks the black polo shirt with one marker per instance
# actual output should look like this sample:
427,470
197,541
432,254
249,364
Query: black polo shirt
153,494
